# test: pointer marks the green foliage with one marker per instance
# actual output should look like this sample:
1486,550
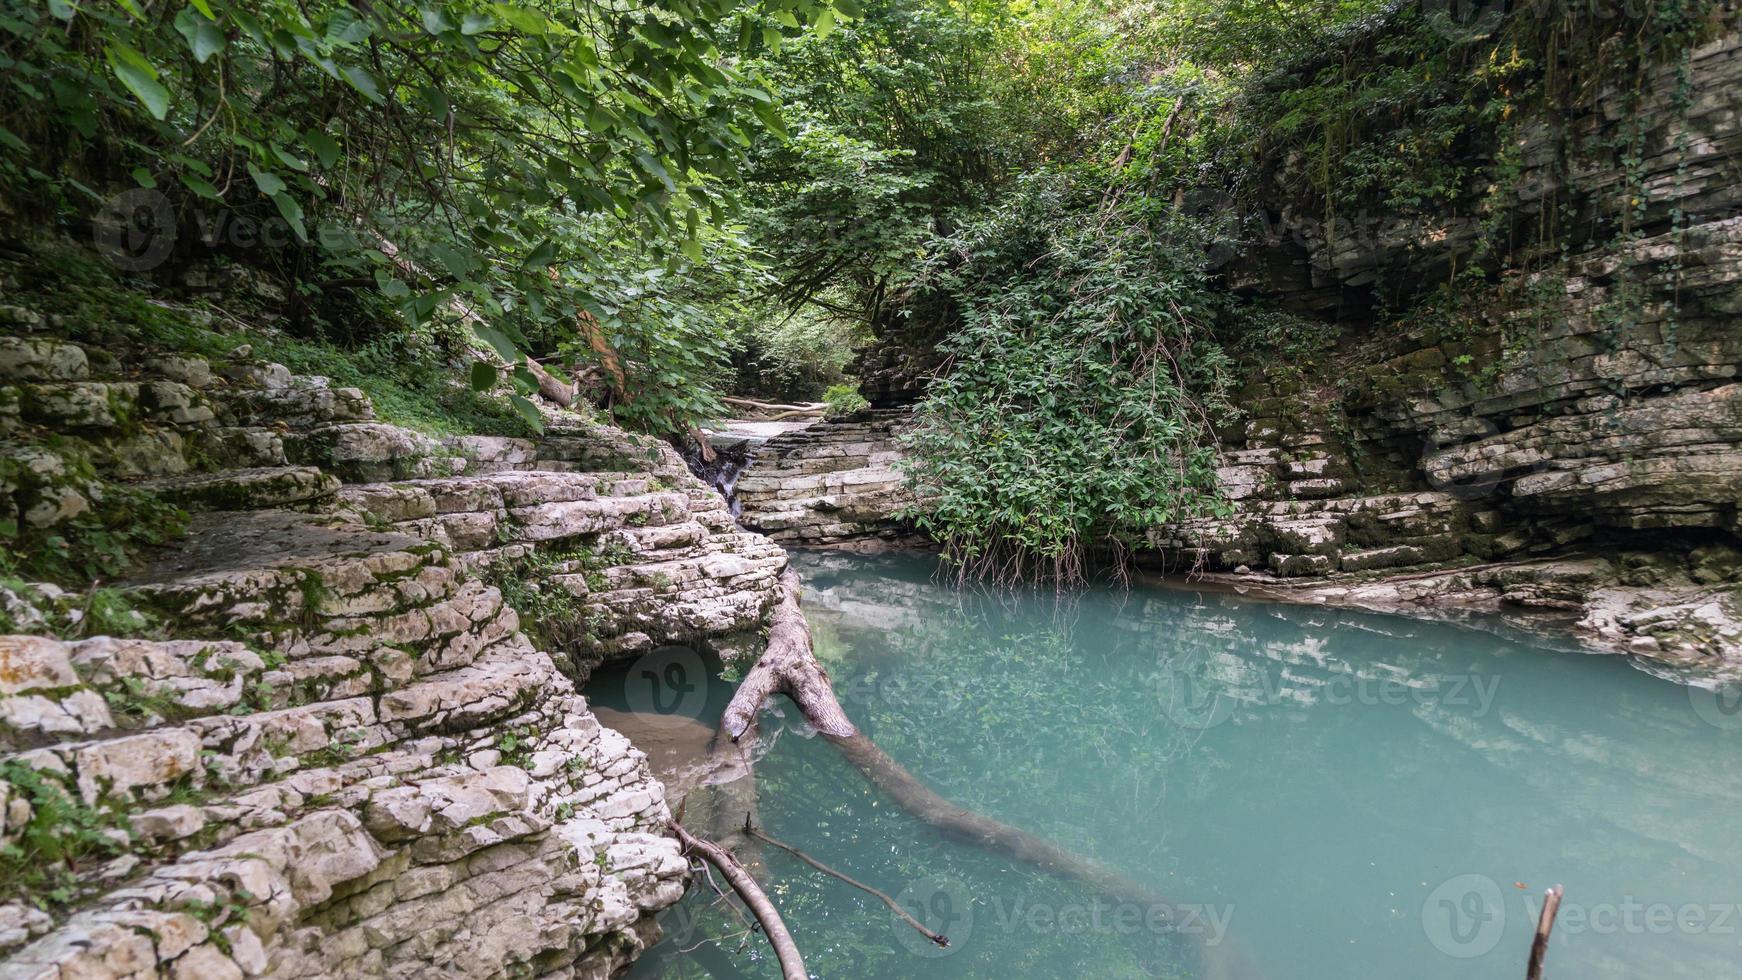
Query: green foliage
62,838
475,153
844,400
796,355
408,378
557,619
112,524
1078,410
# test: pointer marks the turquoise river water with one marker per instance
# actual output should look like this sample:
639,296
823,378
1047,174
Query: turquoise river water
1310,794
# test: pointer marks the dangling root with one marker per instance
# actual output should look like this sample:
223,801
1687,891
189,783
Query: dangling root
939,939
742,882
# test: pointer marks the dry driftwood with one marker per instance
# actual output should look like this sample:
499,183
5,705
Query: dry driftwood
742,882
1551,904
810,408
550,386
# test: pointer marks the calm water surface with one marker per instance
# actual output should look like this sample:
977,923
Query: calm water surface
1311,794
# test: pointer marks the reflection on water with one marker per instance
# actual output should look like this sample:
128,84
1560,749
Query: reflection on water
1334,794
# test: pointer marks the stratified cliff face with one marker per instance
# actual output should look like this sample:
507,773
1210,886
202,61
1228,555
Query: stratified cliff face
331,749
1592,408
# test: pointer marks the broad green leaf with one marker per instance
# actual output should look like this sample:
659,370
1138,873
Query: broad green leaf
292,213
524,380
10,139
522,18
498,342
456,262
266,180
542,255
324,147
142,176
204,38
203,7
363,82
140,77
435,19
61,10
285,157
529,412
824,25
483,375
345,29
393,288
476,24
201,186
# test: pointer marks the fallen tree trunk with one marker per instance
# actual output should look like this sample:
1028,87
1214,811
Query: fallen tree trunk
789,667
812,407
742,882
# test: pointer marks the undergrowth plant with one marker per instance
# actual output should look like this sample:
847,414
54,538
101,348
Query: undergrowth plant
1078,410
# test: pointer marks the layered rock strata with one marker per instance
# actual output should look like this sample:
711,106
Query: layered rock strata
325,745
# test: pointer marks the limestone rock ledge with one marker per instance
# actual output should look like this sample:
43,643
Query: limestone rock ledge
830,483
327,746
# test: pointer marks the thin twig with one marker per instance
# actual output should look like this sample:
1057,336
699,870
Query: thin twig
939,938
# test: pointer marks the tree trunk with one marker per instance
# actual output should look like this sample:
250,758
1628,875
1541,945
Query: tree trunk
789,667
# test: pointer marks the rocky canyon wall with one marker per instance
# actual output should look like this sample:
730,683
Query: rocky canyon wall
310,737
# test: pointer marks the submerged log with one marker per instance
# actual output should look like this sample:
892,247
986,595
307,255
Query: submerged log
742,882
789,666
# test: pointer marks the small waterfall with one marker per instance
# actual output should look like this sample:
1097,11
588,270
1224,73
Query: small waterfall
730,460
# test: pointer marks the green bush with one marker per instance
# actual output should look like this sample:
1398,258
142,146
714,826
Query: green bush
1078,413
844,400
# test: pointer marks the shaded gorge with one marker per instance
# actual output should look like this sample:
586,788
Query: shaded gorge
1331,794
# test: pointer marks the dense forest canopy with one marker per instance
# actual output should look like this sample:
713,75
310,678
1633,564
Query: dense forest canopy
698,195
